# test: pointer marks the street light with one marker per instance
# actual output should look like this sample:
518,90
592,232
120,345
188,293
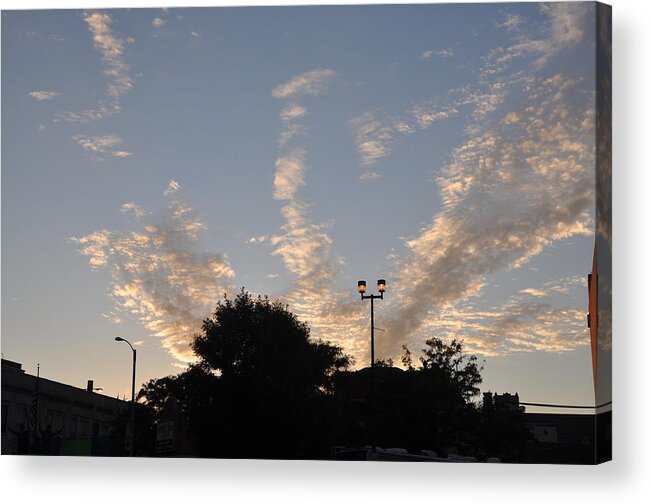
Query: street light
133,397
361,288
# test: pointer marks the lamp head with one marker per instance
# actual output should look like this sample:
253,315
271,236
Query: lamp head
361,286
117,338
381,285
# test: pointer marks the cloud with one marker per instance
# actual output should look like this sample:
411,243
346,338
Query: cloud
133,208
565,24
511,22
519,325
309,83
256,240
195,34
43,95
292,111
304,246
113,317
425,115
272,275
508,191
172,187
112,50
288,115
534,292
375,133
91,114
373,137
369,175
115,68
159,274
158,22
290,171
101,145
446,52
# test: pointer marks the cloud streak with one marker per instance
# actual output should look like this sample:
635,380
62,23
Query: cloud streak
509,191
309,83
101,145
306,247
159,275
44,95
116,69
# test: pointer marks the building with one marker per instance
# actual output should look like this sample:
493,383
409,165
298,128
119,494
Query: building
41,416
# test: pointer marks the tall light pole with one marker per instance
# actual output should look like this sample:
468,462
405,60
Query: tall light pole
361,288
133,398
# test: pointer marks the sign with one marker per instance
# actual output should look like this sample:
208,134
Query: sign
164,437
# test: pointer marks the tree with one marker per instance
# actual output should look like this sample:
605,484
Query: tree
457,368
261,345
261,385
428,405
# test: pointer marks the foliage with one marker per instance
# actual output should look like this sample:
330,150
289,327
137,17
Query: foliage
453,366
260,386
260,344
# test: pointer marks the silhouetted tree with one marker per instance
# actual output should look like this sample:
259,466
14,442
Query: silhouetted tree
452,366
426,406
261,386
261,345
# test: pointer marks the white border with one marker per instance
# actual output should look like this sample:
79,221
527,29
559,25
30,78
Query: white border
35,479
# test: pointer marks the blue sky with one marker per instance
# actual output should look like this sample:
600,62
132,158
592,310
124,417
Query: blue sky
154,159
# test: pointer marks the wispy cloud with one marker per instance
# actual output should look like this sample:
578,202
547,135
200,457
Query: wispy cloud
131,207
115,68
369,175
112,50
256,240
160,275
446,52
373,137
375,133
534,292
509,191
290,170
311,83
511,22
44,95
99,145
172,187
519,325
305,246
565,24
292,111
289,115
158,22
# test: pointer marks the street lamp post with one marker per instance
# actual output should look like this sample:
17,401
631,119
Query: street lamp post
361,288
133,397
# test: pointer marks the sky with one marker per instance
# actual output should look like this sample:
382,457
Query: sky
154,160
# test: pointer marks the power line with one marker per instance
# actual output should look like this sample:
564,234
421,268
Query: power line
565,405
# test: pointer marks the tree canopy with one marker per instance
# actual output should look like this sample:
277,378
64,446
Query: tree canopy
256,388
261,345
263,388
